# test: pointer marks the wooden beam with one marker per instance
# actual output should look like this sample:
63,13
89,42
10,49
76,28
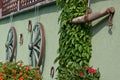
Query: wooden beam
94,16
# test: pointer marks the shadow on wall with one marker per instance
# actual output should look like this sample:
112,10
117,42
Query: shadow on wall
50,8
101,24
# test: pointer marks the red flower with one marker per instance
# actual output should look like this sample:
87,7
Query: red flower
37,71
1,73
21,78
91,70
25,74
1,78
20,73
4,67
14,77
81,74
37,74
14,71
27,68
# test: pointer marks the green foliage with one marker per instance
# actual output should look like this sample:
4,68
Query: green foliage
75,40
17,71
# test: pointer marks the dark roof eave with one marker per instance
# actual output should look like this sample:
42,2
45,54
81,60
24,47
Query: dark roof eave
29,8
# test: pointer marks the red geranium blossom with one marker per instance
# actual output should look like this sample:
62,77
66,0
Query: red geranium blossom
21,78
14,77
1,73
4,67
37,71
17,71
14,71
1,78
81,74
20,73
37,74
91,70
27,68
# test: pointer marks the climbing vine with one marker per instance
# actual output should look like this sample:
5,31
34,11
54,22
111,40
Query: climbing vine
75,47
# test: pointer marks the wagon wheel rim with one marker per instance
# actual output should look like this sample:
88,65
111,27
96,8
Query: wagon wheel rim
11,44
37,45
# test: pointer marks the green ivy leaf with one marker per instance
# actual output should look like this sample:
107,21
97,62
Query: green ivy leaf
74,43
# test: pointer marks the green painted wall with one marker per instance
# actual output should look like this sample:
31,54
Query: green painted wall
48,16
106,46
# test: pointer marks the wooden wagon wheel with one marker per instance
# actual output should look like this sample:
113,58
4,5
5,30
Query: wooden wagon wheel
37,45
11,45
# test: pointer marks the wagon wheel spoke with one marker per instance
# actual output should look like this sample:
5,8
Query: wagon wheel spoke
8,53
10,38
36,49
36,55
10,47
37,41
35,33
36,46
11,44
33,61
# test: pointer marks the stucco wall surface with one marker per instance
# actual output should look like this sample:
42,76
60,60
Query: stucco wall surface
106,44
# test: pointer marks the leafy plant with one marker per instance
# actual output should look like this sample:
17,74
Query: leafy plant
75,47
17,71
89,73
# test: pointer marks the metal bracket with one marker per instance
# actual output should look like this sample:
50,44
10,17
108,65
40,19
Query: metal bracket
52,72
